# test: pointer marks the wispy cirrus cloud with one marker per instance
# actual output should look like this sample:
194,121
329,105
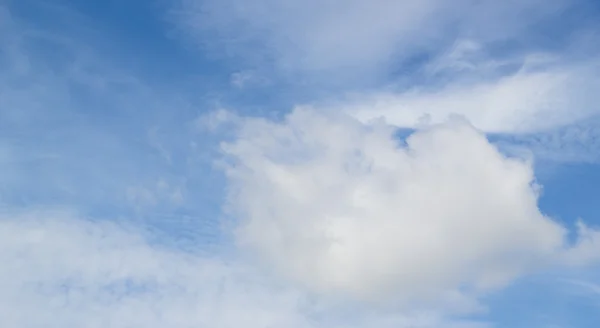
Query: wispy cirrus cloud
78,129
416,61
526,94
360,36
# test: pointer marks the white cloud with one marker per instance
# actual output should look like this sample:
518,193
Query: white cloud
524,93
587,249
480,59
526,101
341,208
61,270
539,102
356,35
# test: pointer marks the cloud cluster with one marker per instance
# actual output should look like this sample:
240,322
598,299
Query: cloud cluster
344,208
414,61
60,269
334,203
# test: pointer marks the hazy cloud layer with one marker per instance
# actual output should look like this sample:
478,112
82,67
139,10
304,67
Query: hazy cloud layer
355,35
60,269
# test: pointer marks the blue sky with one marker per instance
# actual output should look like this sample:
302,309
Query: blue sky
263,163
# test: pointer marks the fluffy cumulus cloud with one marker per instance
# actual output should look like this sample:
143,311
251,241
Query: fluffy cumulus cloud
345,208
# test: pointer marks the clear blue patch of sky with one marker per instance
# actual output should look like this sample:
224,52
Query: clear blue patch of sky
543,301
571,191
133,35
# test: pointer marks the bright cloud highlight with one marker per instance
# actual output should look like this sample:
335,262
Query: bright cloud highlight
344,208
